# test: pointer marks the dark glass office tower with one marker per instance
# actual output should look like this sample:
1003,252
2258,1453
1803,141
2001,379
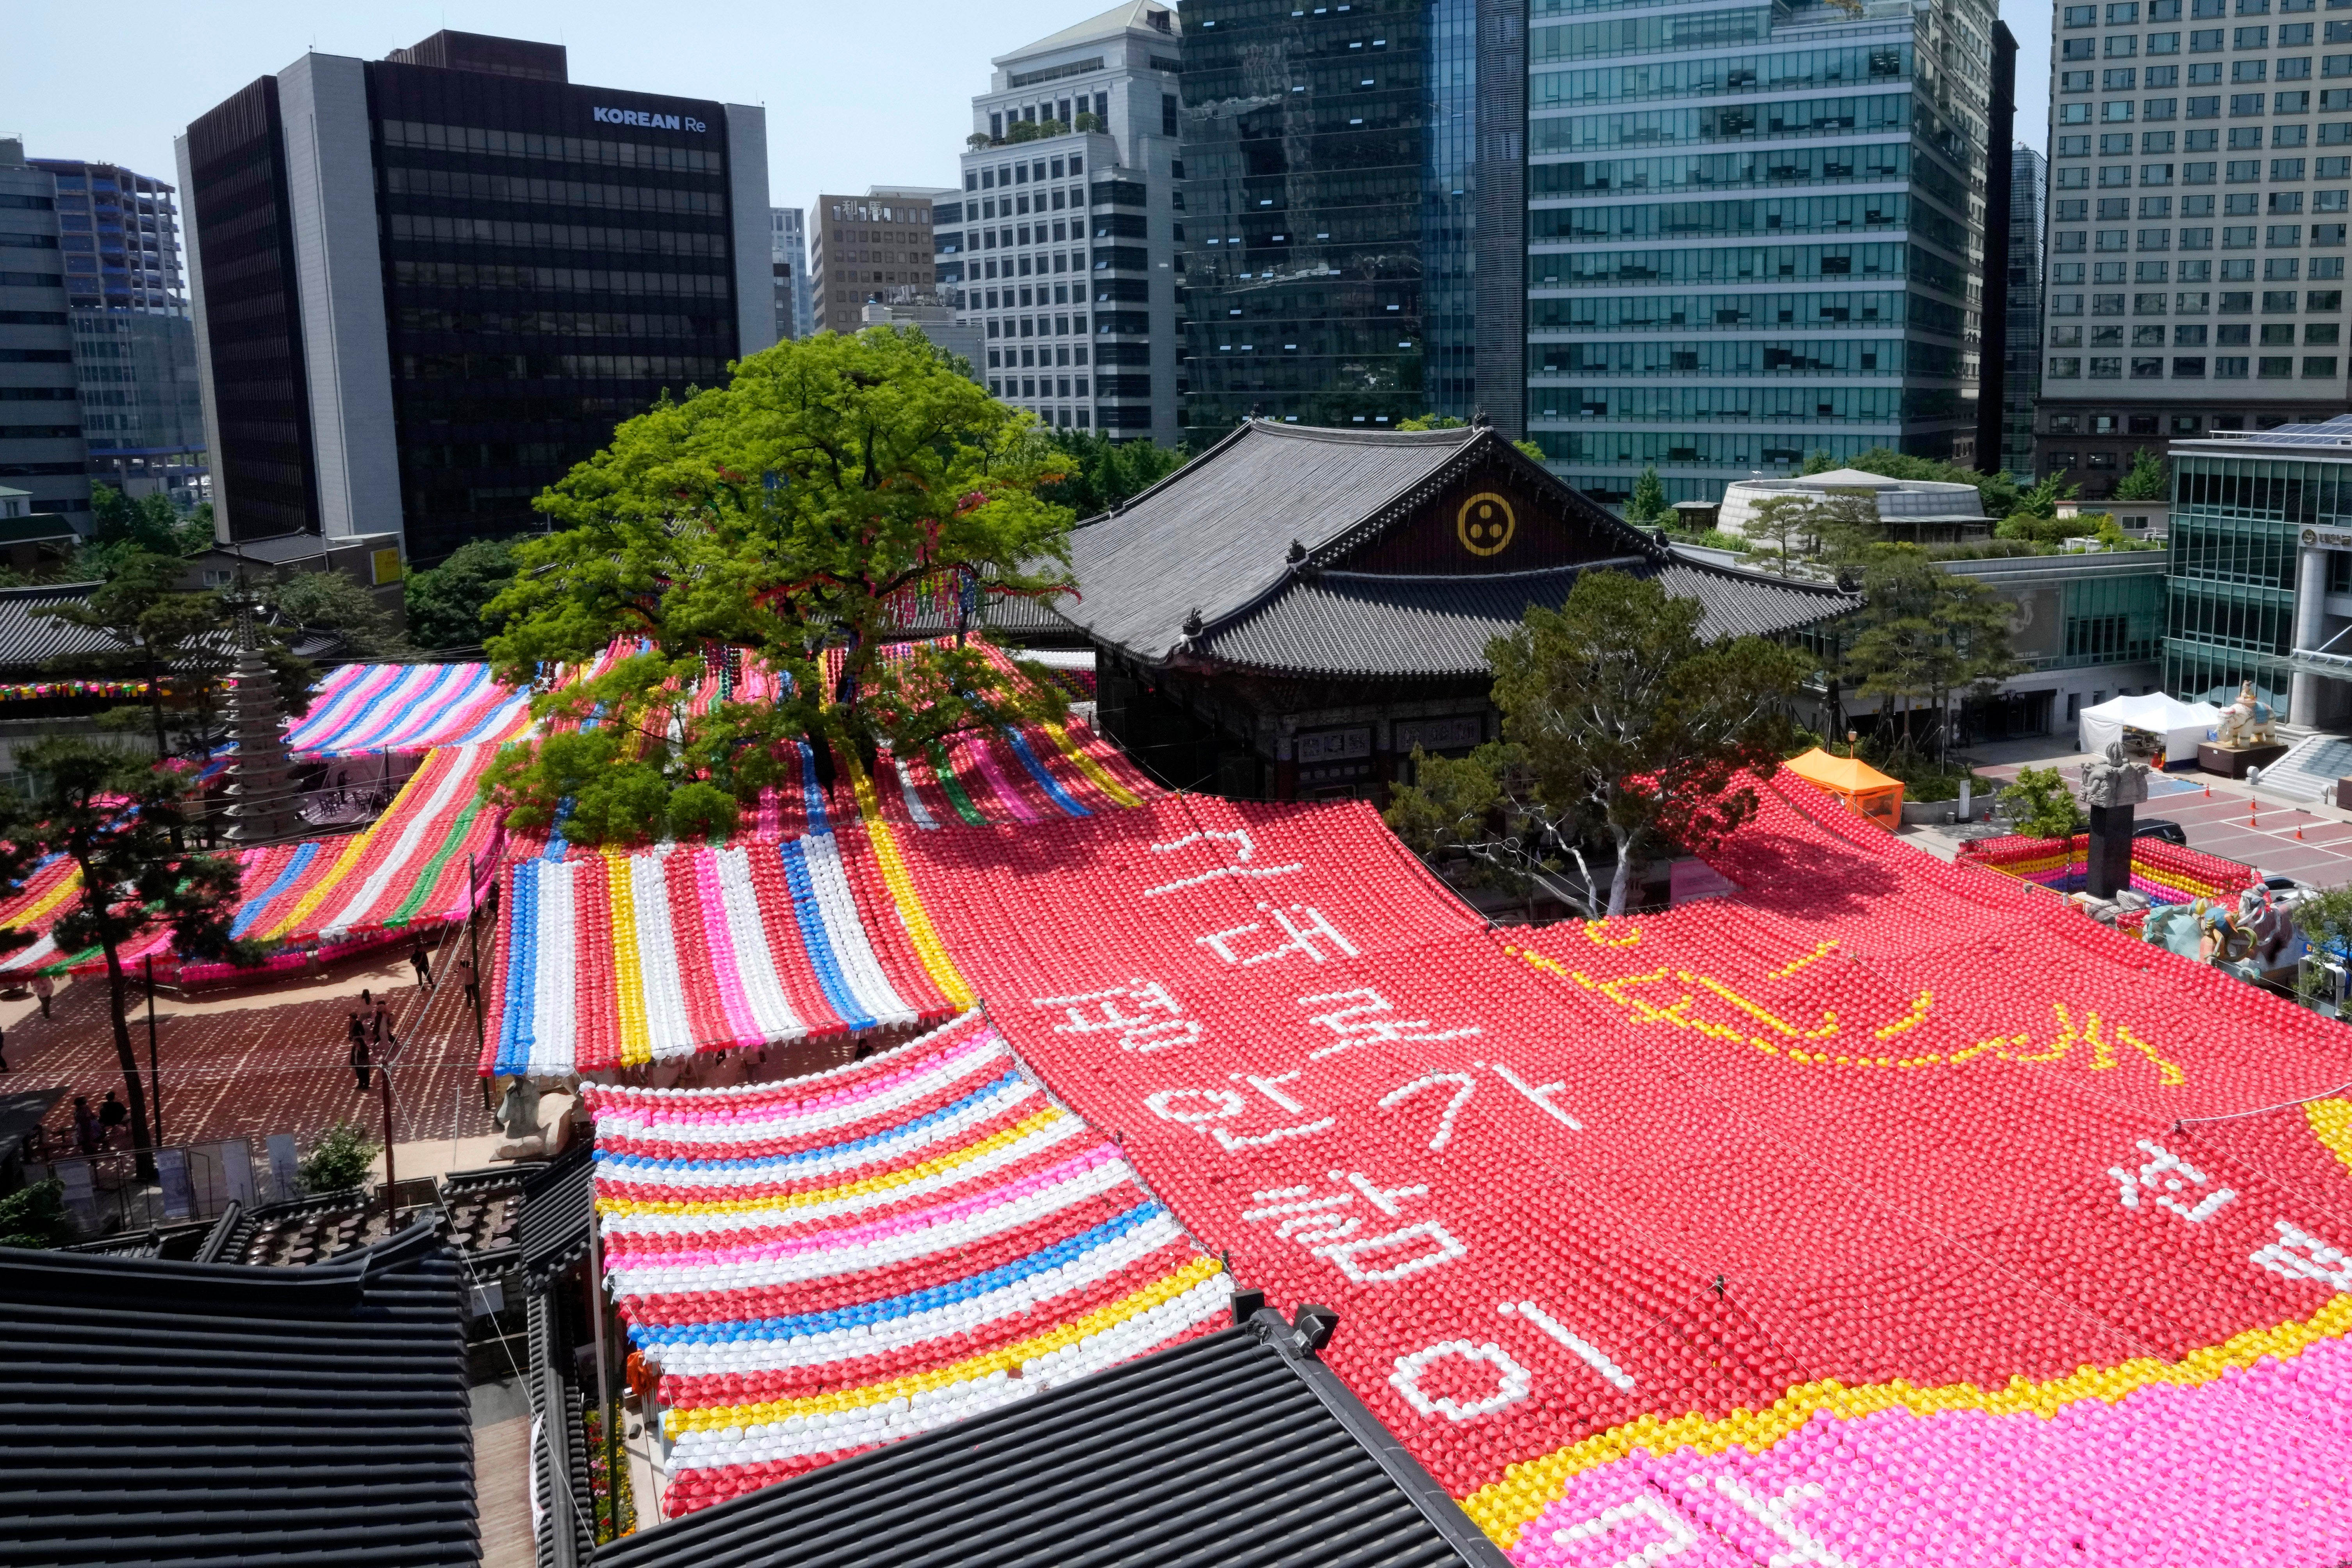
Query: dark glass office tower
454,283
1354,213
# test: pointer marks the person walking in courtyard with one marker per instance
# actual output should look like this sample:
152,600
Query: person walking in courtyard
359,1036
111,1113
85,1121
473,981
421,963
44,988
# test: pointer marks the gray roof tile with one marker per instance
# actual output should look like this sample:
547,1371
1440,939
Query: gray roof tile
1213,534
203,1414
1370,624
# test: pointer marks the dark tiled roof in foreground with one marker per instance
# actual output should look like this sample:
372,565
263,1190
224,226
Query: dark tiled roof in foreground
1371,624
201,1414
557,1199
481,1209
1238,1450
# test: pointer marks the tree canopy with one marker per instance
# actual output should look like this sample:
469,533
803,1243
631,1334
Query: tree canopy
838,489
1922,636
179,641
1620,727
1648,503
2148,480
121,819
1105,473
448,603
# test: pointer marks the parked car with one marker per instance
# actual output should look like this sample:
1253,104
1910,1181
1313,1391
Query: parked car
2162,828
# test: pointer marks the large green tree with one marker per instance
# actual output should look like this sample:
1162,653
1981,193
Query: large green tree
119,818
1623,730
838,489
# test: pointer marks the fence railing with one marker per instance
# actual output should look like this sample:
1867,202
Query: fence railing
105,1192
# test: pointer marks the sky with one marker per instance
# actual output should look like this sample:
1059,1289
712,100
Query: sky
856,94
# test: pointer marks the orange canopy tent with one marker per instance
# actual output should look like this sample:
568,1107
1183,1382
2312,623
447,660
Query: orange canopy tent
1863,788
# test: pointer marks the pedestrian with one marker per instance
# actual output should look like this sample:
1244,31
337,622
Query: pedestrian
421,963
86,1128
44,987
382,1025
366,1001
473,981
111,1113
358,1052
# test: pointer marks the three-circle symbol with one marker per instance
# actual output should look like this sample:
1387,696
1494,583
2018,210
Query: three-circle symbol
1485,523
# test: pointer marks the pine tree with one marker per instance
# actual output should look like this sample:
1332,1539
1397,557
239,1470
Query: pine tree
1648,505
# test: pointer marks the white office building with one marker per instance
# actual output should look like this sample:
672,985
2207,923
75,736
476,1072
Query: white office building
1064,240
2200,183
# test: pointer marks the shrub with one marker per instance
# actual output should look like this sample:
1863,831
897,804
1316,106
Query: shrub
36,1217
339,1161
2042,805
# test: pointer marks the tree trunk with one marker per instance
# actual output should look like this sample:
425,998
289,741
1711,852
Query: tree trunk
156,705
1621,880
140,1139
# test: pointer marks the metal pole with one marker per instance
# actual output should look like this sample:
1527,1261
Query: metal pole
604,1379
474,942
391,1185
154,1073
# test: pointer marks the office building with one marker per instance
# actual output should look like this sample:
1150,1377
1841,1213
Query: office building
426,285
788,261
2261,585
2029,191
42,456
862,247
1357,209
939,317
143,410
2199,174
1993,299
1756,234
121,237
1071,223
134,341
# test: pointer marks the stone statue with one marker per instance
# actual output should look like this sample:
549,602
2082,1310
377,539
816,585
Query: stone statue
2118,779
2248,721
518,1118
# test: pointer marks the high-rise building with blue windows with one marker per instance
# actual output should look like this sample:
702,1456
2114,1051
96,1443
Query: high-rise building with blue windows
134,345
1755,232
1354,210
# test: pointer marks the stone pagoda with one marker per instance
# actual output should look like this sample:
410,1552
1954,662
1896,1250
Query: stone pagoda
261,777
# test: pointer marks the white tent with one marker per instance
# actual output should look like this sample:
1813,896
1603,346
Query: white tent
2181,725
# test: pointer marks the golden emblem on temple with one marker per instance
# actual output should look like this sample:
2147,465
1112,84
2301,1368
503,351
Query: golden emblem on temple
1485,523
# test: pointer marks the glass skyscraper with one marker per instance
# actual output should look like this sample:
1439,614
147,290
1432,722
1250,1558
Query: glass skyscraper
2029,187
1353,227
1755,232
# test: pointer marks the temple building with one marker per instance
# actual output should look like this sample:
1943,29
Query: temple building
1291,614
